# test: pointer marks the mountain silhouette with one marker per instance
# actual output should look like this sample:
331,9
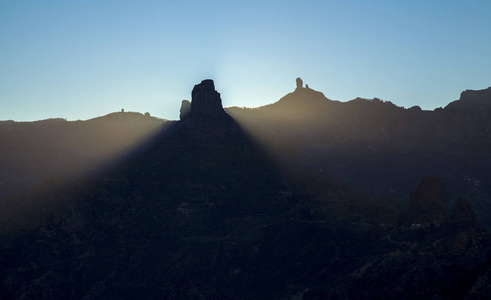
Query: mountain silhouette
35,151
242,204
379,148
206,114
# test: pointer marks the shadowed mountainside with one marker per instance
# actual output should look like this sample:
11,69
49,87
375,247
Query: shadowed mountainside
373,146
203,213
378,148
34,151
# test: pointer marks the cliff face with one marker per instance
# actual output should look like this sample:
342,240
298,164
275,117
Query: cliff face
206,100
206,114
472,99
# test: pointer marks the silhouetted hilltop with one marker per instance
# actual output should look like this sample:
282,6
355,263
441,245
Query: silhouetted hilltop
374,119
206,100
309,114
303,99
378,147
33,151
206,114
371,145
472,100
207,214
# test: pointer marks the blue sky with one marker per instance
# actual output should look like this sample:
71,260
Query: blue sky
83,59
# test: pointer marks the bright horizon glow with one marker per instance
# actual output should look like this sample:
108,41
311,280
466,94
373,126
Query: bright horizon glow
84,59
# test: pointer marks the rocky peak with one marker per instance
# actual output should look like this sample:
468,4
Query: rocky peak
205,99
299,82
206,113
185,109
471,100
476,95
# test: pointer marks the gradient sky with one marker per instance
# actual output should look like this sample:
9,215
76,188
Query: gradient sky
83,59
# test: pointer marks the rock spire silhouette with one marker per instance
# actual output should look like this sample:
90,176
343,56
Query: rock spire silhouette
206,113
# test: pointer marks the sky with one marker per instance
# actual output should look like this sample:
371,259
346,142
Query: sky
81,59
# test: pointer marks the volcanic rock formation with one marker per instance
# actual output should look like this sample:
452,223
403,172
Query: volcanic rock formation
205,99
185,109
207,113
299,83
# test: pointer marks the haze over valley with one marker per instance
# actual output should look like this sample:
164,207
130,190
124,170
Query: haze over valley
292,150
305,197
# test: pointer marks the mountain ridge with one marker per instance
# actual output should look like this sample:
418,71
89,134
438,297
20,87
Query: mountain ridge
337,137
211,214
218,218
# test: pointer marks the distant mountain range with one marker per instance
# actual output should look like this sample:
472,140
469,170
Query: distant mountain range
381,149
373,146
305,198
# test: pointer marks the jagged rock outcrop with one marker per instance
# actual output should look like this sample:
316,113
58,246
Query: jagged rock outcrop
185,109
426,204
206,100
206,112
299,83
469,117
476,94
472,100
